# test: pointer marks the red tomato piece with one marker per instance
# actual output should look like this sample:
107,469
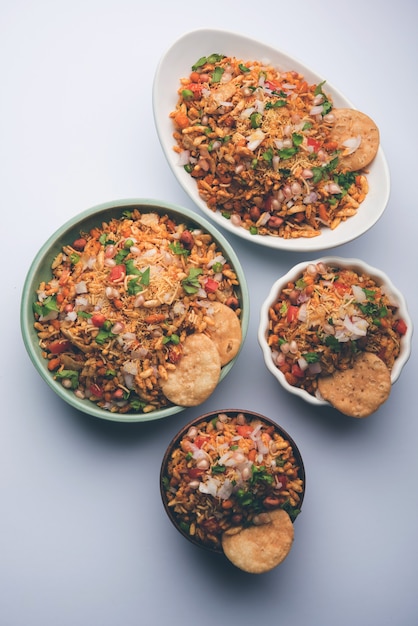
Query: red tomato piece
211,285
117,274
400,326
244,430
96,390
98,319
200,440
282,478
196,88
297,371
314,143
341,288
271,85
194,472
59,346
292,313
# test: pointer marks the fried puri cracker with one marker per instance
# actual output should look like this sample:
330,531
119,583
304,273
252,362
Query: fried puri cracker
350,125
360,390
196,374
226,332
258,549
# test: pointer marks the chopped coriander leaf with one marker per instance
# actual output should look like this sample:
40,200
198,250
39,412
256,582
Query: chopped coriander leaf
268,155
217,74
71,375
177,248
311,357
134,286
191,283
103,336
287,153
297,139
48,306
244,68
121,256
131,268
333,343
84,314
277,104
171,338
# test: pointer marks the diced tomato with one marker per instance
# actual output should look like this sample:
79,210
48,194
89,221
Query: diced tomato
59,346
194,472
314,143
196,88
272,85
400,326
200,440
282,478
117,274
341,288
96,390
292,313
297,371
244,430
211,285
98,319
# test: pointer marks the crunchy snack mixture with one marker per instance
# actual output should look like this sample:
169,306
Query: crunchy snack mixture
227,474
322,321
259,143
121,302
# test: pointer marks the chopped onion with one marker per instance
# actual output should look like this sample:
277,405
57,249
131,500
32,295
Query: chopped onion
358,293
184,158
316,110
351,144
81,287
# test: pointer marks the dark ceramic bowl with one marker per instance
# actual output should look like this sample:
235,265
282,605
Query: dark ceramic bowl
176,518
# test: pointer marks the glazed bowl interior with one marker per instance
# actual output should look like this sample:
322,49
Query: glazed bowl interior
40,270
380,277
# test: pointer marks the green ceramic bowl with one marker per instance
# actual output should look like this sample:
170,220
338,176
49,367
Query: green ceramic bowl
40,270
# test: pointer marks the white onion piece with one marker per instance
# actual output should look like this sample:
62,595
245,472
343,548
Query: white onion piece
351,144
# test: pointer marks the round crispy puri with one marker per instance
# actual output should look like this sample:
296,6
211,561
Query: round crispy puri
258,549
350,124
360,390
196,374
226,332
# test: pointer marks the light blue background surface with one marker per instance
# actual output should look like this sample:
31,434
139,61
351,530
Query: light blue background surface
84,540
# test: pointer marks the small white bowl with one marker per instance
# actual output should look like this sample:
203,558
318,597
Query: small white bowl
350,263
176,64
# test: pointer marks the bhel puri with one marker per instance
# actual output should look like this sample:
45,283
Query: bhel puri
125,301
336,331
232,480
